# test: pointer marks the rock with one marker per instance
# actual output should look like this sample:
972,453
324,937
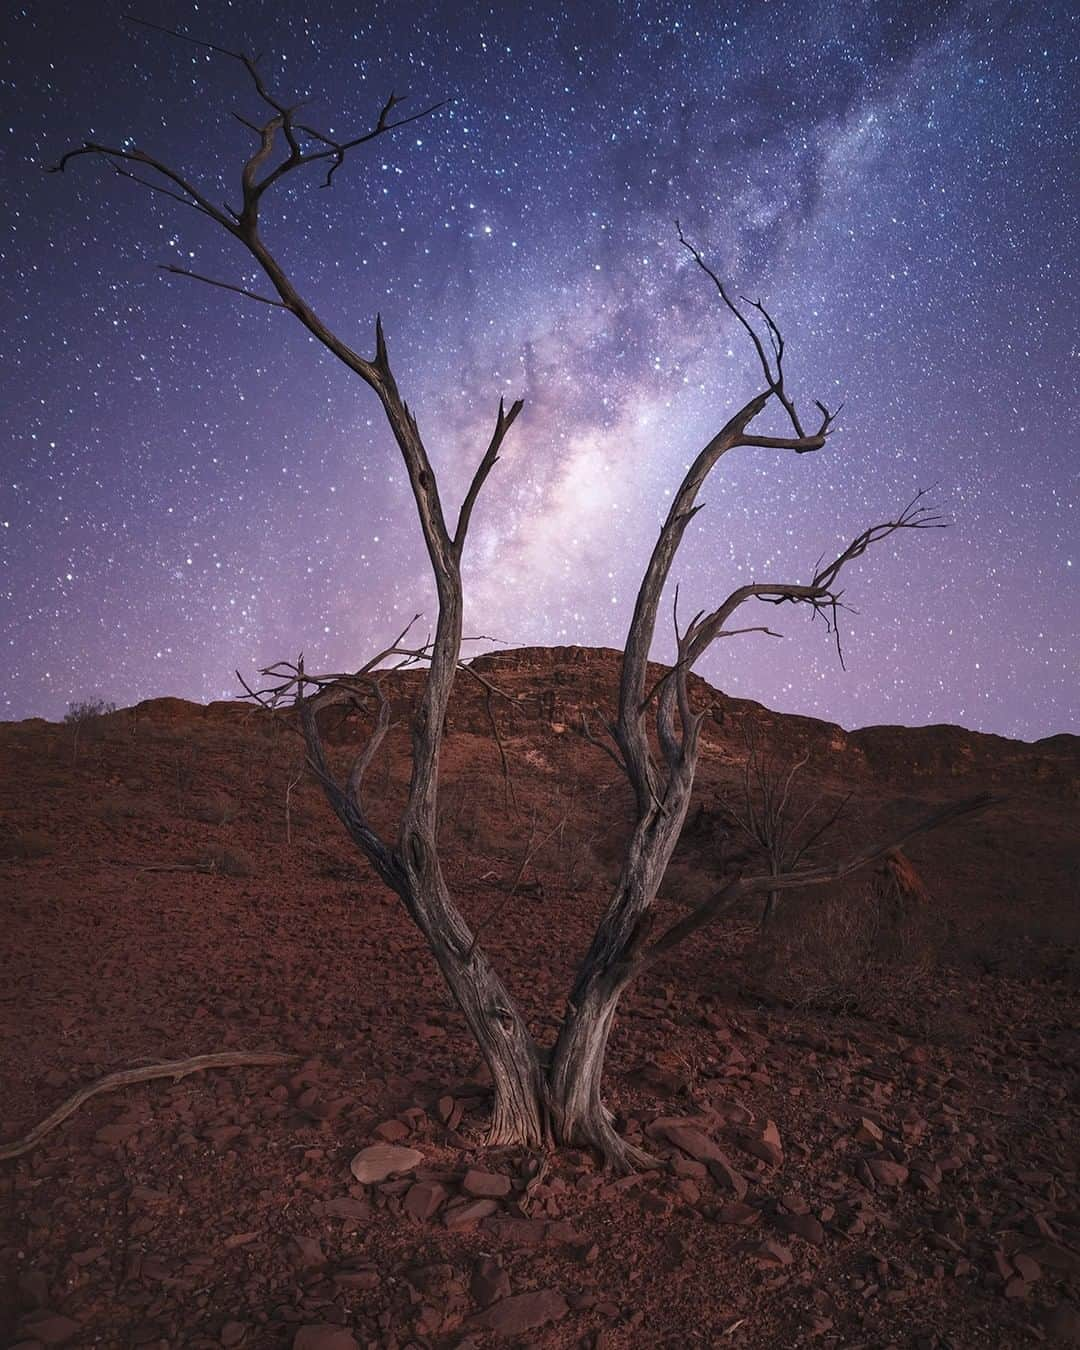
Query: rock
485,1185
432,1279
737,1213
391,1131
424,1199
886,1172
51,1328
232,1333
688,1138
324,1336
346,1207
1062,1324
766,1145
1027,1267
804,1226
1055,1257
771,1254
379,1161
724,1174
522,1312
689,1168
34,1286
306,1253
489,1282
463,1216
869,1132
367,1279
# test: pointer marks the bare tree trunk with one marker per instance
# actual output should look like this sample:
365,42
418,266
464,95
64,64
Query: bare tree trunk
610,966
579,1117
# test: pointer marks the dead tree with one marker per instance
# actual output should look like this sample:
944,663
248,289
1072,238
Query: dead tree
536,1100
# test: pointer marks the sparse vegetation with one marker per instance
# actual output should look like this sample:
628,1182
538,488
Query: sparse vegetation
789,825
83,718
220,861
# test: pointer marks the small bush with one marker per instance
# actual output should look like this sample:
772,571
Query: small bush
83,717
87,711
221,862
852,952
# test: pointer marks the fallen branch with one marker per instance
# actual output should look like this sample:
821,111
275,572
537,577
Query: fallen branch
174,1069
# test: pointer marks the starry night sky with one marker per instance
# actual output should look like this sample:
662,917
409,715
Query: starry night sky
190,484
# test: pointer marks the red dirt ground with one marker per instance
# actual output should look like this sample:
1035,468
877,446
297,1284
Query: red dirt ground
924,1191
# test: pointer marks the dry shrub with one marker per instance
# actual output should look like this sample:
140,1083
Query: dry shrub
859,951
220,861
86,718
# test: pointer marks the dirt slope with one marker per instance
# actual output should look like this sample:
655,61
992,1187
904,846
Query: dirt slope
890,1161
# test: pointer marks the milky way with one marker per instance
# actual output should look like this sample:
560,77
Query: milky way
192,485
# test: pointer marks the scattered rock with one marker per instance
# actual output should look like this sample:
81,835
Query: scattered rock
738,1213
464,1216
1062,1324
766,1145
804,1226
687,1137
485,1185
886,1172
522,1312
390,1131
346,1207
306,1253
424,1199
489,1282
366,1279
379,1161
51,1328
324,1336
771,1254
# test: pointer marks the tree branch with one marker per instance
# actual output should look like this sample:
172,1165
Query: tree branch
773,369
222,285
503,422
174,1069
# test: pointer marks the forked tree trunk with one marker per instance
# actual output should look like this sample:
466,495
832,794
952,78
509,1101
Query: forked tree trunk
579,1117
578,1113
519,1115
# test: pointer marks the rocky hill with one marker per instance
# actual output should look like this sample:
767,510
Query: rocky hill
868,1115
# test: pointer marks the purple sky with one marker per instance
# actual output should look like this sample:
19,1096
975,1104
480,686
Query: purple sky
191,485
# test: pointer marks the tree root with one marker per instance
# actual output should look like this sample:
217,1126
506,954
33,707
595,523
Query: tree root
174,1069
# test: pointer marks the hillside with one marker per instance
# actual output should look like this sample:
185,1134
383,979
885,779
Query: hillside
173,885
